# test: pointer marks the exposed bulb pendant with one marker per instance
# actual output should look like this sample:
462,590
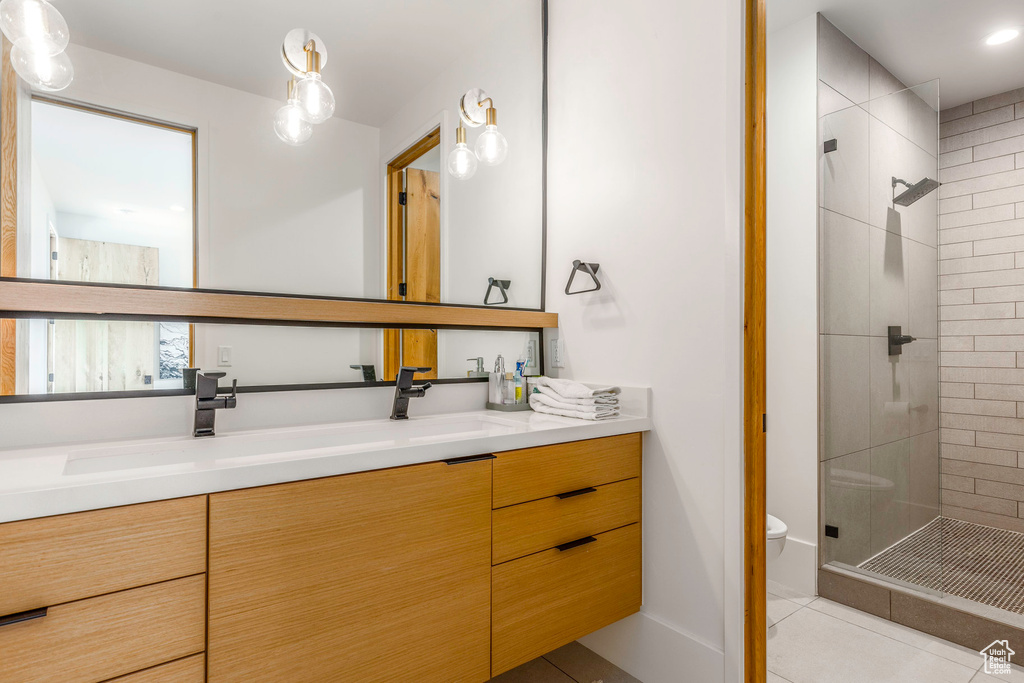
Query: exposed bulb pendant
462,163
39,36
491,146
289,123
315,100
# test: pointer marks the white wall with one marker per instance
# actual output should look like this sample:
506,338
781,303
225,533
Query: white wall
645,159
491,223
792,362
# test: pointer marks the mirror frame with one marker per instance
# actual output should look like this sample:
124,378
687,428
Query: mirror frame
29,298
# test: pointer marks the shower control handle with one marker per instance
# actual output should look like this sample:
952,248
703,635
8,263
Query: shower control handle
897,339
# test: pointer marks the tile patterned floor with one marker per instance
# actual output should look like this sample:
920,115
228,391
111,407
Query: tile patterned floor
573,663
813,640
960,558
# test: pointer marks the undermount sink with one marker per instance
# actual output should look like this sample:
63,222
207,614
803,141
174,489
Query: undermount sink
286,443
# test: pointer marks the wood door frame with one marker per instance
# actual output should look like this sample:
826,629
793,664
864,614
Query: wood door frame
8,212
754,326
395,246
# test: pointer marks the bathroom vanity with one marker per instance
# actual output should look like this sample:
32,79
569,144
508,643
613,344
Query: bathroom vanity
454,569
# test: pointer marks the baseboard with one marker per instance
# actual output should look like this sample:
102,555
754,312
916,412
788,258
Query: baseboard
655,651
797,567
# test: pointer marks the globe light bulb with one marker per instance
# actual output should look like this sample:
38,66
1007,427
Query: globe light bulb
314,98
491,146
462,162
290,125
39,66
35,20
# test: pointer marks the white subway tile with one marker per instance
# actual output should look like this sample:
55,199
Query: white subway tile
976,121
956,112
957,250
992,278
956,344
998,343
953,482
977,170
986,295
983,136
987,230
999,245
999,148
1018,260
956,390
1009,195
996,180
1000,392
998,489
1020,110
969,501
957,436
978,359
1019,159
1019,207
983,376
984,423
1005,326
1000,100
986,456
955,204
955,297
956,157
978,311
977,264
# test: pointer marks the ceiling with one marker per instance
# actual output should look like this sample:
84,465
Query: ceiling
379,51
920,40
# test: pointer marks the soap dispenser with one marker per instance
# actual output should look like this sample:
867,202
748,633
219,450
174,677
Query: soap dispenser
479,372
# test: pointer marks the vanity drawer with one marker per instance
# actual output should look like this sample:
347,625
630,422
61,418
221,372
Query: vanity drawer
535,473
543,601
111,635
520,530
188,670
53,560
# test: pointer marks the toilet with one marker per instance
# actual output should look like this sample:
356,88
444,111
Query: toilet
777,531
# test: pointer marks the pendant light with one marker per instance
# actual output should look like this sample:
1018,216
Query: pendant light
314,98
462,163
289,123
491,146
39,36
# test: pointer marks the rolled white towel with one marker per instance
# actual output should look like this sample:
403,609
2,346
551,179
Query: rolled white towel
578,414
604,399
569,389
553,402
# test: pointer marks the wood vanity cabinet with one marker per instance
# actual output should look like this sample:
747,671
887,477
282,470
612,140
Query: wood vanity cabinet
566,550
376,576
95,595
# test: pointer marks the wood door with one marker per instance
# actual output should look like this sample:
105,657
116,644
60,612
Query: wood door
378,576
422,263
98,355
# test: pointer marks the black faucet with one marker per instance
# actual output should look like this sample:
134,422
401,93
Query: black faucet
209,399
404,390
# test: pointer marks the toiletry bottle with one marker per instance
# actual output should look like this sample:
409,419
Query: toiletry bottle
520,380
510,388
496,384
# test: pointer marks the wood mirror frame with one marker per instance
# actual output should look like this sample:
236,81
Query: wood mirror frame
24,298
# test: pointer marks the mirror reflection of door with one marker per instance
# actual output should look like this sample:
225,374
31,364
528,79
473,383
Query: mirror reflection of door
414,246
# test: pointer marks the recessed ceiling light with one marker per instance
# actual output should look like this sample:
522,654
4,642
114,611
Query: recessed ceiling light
1003,36
177,208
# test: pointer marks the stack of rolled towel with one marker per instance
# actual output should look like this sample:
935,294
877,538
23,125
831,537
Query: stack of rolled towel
572,399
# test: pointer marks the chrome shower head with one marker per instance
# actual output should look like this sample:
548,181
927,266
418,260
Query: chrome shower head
913,192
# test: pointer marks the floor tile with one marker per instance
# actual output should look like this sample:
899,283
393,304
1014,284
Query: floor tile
922,641
538,671
813,647
1016,676
775,678
585,665
778,589
779,608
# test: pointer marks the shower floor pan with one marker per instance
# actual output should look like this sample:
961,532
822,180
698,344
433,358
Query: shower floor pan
959,558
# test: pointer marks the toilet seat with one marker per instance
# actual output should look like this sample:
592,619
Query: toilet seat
776,528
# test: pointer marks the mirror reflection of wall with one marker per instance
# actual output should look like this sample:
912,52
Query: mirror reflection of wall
87,356
270,217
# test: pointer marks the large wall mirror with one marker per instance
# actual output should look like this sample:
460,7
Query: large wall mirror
175,158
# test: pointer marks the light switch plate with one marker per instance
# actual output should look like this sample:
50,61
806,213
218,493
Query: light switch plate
557,353
224,356
531,353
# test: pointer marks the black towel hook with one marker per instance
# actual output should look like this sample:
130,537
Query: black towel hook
589,268
502,286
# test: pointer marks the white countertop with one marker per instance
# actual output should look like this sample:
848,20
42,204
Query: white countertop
39,482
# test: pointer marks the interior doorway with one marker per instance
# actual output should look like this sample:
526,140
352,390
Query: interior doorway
414,250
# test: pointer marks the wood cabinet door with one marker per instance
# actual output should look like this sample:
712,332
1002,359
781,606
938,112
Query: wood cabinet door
377,576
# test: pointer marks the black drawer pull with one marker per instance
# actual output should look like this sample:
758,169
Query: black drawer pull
23,616
576,544
469,458
577,492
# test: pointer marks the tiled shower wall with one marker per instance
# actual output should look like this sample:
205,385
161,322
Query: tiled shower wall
981,310
877,267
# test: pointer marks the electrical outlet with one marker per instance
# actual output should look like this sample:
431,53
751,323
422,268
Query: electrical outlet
531,353
557,353
224,356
